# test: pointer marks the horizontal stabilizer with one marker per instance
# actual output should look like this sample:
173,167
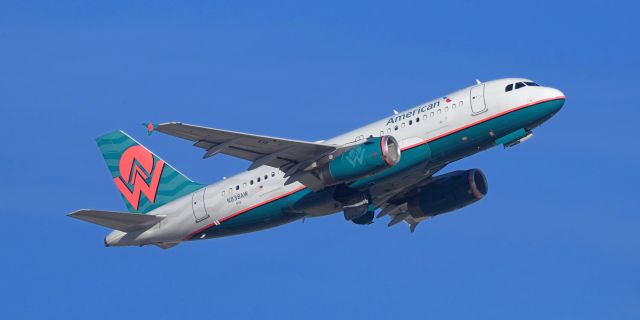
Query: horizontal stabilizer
126,222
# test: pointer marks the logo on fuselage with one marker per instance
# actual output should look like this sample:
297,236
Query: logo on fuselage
414,112
138,174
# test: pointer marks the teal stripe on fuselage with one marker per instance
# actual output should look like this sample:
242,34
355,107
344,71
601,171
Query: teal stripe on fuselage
269,215
437,152
453,147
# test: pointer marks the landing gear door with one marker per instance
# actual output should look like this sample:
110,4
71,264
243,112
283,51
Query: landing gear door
197,203
477,100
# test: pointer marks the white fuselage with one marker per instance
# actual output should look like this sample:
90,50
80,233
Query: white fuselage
246,191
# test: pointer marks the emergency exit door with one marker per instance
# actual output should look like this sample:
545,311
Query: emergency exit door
197,203
477,100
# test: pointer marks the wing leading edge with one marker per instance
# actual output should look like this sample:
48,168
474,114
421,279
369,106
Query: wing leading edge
260,150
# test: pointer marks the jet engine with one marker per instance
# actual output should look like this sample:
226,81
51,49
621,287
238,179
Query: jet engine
367,158
447,193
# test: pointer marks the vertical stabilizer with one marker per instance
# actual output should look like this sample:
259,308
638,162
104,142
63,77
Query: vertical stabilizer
144,180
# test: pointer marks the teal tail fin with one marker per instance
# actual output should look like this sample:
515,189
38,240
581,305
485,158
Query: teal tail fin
144,180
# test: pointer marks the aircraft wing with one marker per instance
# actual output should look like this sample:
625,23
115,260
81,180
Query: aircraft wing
260,150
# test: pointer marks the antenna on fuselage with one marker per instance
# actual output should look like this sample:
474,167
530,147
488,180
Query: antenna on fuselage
478,81
395,111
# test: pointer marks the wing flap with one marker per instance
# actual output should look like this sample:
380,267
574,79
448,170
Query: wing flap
126,222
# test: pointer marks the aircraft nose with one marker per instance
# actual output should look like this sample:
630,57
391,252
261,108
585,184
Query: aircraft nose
557,97
555,93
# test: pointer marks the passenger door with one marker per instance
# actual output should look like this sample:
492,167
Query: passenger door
197,204
478,105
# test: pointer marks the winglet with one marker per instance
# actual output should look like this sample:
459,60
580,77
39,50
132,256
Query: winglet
150,127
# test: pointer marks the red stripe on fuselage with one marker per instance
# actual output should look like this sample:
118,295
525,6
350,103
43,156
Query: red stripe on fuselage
245,210
480,121
403,149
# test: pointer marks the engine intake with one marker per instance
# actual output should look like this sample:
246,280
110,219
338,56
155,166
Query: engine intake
367,158
448,192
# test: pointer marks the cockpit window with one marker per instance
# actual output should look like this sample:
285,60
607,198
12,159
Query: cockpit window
508,88
519,85
532,84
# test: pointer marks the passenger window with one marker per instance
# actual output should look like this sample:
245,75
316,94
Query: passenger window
388,130
402,125
454,106
439,111
258,179
395,128
251,182
410,122
244,185
519,85
223,192
446,108
461,104
424,117
238,187
266,176
418,119
508,88
432,113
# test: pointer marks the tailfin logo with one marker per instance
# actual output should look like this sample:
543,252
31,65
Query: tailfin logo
136,169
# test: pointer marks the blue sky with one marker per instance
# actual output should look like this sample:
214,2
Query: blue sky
557,236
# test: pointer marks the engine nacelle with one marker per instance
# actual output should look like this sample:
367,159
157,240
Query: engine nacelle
448,192
367,158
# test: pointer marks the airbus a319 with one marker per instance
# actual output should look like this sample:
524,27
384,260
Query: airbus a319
391,167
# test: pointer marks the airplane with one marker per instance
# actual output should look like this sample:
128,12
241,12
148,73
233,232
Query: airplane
389,167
